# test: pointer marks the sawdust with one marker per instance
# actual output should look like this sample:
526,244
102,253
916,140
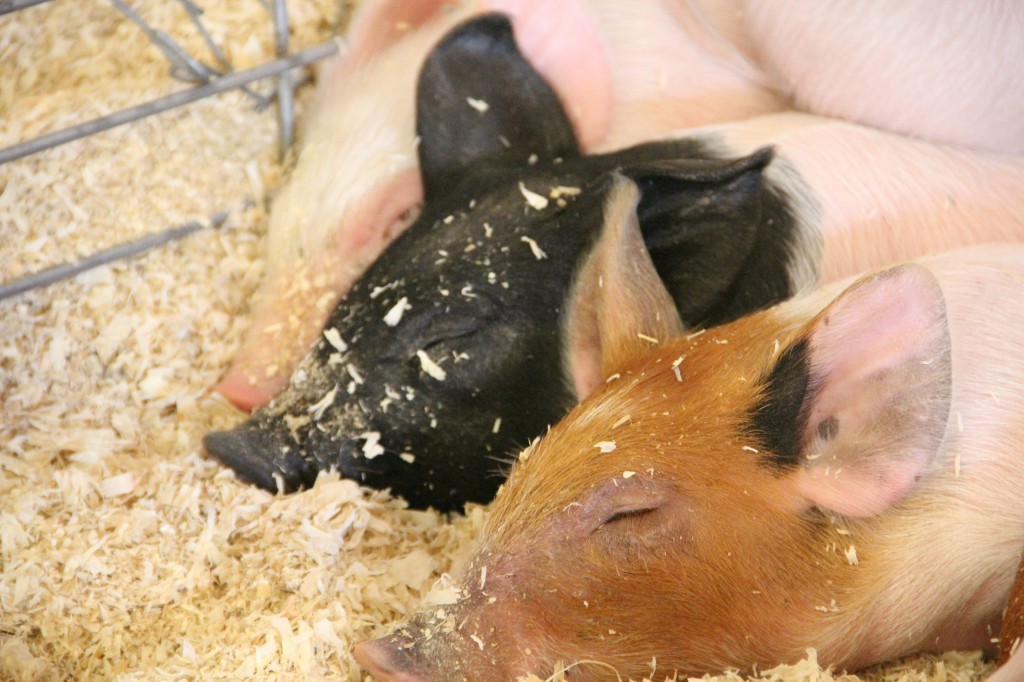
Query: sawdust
125,552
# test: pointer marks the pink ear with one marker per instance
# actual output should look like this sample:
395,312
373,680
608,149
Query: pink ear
377,24
618,305
879,392
564,43
559,39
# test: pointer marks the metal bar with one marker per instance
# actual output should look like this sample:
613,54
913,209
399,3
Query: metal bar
184,66
50,140
14,5
194,13
285,87
68,270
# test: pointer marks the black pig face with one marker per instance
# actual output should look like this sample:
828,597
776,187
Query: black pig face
449,352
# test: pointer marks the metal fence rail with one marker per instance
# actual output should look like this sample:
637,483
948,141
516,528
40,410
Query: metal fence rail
211,81
97,125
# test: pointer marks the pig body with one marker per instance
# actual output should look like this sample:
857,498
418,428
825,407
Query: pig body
726,237
626,73
940,70
841,471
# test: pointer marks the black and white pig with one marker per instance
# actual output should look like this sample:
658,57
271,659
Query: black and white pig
452,349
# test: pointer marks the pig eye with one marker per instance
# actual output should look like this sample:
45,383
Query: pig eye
435,327
623,515
447,328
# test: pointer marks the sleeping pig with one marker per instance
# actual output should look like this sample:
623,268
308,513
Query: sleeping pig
446,354
452,350
627,72
842,471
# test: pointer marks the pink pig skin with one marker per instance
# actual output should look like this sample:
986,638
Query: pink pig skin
626,72
841,472
869,197
943,70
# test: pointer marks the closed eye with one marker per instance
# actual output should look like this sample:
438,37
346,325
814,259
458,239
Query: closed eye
437,327
447,329
627,514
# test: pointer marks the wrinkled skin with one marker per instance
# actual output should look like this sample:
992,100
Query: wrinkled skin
783,494
474,365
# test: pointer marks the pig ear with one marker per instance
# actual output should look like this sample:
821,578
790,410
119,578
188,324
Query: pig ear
860,406
618,305
703,221
478,98
377,24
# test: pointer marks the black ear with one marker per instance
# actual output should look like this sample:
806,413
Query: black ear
720,236
478,98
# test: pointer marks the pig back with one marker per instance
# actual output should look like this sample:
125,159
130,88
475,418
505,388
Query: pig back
942,70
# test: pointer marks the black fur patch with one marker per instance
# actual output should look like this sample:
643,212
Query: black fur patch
778,420
828,428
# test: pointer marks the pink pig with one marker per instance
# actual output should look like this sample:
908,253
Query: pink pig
841,471
942,70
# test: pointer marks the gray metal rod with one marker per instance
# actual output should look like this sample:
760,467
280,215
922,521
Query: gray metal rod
14,5
67,270
234,80
285,88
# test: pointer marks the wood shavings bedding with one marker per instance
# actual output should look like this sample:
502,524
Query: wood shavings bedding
125,552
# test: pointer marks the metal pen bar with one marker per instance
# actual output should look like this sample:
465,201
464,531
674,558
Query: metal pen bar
234,80
184,66
194,13
14,5
68,270
285,87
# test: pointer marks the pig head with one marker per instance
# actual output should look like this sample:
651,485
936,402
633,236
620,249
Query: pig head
732,497
451,351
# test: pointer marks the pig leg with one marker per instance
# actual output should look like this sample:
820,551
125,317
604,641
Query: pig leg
294,302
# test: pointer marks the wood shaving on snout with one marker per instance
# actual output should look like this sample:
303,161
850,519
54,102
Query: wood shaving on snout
125,552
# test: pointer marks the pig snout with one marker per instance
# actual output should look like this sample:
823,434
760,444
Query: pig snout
497,629
399,658
260,458
383,660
